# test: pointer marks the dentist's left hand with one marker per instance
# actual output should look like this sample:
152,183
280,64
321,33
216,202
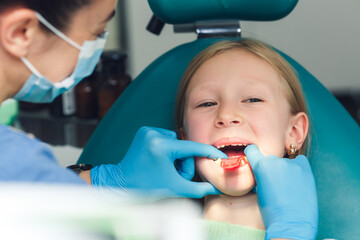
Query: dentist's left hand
148,166
286,194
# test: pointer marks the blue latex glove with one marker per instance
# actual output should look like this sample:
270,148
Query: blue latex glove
148,166
286,195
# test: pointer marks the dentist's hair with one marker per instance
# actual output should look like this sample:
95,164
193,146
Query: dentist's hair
58,12
288,79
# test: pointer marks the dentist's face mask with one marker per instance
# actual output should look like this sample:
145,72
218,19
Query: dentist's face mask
39,89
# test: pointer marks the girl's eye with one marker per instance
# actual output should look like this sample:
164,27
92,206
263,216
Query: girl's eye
207,104
253,100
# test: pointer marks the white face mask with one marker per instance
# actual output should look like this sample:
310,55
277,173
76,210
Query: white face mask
40,89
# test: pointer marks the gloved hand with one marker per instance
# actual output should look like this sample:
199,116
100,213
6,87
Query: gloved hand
286,195
148,166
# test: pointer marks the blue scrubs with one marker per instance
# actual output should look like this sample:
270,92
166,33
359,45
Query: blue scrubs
24,159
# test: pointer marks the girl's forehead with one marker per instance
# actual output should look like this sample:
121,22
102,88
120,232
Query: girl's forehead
235,67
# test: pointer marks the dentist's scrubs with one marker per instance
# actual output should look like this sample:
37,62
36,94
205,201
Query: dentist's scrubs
26,159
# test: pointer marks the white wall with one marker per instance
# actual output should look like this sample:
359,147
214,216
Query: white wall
113,40
323,35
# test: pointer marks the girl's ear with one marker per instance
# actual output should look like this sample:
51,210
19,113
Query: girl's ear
297,131
183,135
17,31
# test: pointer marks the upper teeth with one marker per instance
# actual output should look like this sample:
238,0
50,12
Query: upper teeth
222,146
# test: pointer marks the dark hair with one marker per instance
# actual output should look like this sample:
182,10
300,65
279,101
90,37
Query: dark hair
57,12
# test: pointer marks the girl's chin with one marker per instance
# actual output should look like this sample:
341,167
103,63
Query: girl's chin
236,186
235,192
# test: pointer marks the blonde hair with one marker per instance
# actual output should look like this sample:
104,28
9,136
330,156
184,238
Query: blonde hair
288,78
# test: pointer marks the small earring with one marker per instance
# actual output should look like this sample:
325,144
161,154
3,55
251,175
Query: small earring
292,150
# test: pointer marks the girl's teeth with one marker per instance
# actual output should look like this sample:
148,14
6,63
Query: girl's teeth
234,145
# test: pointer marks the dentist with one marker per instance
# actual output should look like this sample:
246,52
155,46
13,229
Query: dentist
46,48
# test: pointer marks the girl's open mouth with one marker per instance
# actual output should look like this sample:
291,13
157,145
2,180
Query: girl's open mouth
237,158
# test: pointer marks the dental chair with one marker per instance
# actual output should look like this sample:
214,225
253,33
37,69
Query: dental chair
150,99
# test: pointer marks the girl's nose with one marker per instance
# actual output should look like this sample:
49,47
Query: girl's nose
227,123
228,117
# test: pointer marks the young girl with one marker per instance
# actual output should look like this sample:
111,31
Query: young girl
235,94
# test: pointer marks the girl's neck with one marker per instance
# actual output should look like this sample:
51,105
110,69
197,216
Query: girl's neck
241,210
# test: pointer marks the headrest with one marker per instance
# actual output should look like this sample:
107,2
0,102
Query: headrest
190,11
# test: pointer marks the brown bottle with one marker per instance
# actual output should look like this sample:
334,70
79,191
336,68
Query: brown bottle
86,97
113,80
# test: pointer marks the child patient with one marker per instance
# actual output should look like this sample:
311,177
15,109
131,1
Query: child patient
234,94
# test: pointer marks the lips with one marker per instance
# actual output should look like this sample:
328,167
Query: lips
235,152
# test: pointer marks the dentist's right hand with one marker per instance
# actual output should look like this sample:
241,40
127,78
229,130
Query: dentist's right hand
286,195
148,166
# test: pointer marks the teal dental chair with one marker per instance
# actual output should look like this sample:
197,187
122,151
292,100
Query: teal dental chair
149,101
